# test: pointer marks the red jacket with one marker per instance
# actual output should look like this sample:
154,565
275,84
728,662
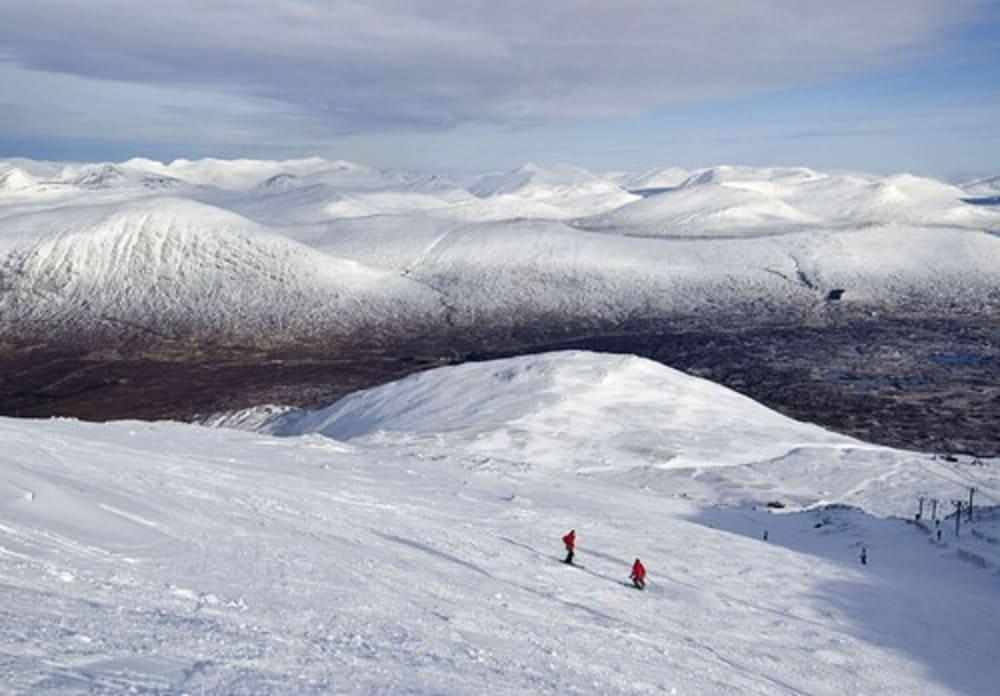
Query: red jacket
570,541
638,570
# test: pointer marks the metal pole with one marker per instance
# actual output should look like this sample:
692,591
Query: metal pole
920,510
972,490
934,509
958,517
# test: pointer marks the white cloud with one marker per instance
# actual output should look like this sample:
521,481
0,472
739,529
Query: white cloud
386,64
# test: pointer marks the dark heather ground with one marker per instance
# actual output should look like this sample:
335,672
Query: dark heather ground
924,384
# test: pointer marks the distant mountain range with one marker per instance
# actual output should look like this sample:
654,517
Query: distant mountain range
266,253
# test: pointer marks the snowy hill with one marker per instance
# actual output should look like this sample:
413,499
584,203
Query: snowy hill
654,180
233,174
422,555
626,418
172,265
703,209
567,190
622,411
735,201
14,179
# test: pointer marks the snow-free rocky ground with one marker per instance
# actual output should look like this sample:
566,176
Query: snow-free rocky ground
406,540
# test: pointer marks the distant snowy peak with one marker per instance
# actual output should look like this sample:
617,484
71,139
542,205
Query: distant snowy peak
87,177
703,210
99,176
390,203
531,179
238,174
347,177
729,174
904,198
16,179
282,181
145,173
564,191
168,263
655,179
110,176
341,194
741,201
118,249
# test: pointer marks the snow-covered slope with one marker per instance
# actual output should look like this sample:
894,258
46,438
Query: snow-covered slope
422,557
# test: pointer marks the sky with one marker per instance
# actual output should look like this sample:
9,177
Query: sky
457,85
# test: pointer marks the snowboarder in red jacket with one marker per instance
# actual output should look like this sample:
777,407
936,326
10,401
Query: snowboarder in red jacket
570,541
638,575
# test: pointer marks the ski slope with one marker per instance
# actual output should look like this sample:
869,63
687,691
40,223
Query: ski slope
406,540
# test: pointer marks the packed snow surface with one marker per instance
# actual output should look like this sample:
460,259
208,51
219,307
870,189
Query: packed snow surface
395,248
407,541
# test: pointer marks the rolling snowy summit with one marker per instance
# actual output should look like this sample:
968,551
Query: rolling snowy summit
407,540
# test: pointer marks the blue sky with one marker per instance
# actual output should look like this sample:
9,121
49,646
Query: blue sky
440,84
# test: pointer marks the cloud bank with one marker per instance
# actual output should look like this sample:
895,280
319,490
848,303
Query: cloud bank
381,65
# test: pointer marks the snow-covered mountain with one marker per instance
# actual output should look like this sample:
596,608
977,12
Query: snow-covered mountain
15,179
736,201
178,247
564,189
174,266
654,180
407,541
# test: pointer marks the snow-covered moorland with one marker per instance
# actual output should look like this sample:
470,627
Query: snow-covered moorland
280,252
406,540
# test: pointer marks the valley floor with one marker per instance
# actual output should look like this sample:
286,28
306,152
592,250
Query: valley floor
925,384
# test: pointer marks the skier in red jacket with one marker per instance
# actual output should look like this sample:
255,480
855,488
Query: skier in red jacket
638,575
570,541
